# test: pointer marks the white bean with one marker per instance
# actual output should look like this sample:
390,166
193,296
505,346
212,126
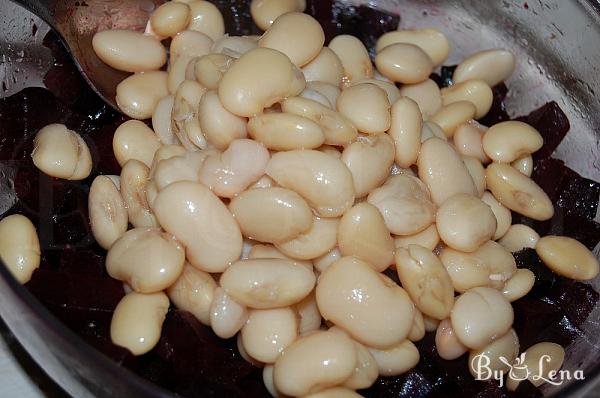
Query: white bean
170,19
366,106
508,141
108,215
381,321
61,153
518,192
209,69
432,130
495,357
541,362
190,44
231,172
137,321
268,332
318,240
265,12
129,51
267,283
327,90
227,316
202,223
396,360
567,257
365,371
404,63
362,233
324,181
446,343
219,126
406,125
449,117
185,122
390,88
134,178
492,66
426,94
234,46
308,314
354,58
443,171
326,260
428,238
161,121
477,173
417,332
502,214
480,316
524,164
19,246
285,131
475,91
138,95
194,291
325,67
134,140
519,237
369,159
468,140
206,18
433,42
465,222
180,168
519,285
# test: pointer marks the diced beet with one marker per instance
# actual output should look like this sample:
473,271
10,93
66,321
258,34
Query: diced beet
497,112
89,260
236,14
553,125
547,173
412,384
444,78
526,390
577,302
491,389
545,279
193,350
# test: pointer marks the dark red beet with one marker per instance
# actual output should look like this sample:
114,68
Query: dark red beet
236,14
552,124
497,112
444,78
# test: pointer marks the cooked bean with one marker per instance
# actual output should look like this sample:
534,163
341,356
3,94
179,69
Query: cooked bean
406,125
135,140
430,324
267,283
390,88
264,182
433,42
166,152
567,257
366,106
369,159
354,58
202,223
185,123
325,67
477,173
404,63
257,80
285,131
519,285
490,265
308,314
432,130
297,35
180,168
227,316
524,164
108,215
480,316
271,214
541,362
231,172
508,141
428,238
209,69
314,362
134,178
494,357
443,171
326,260
147,259
426,281
161,121
518,192
19,246
137,321
426,94
475,91
129,51
315,242
190,44
151,193
244,354
220,127
138,95
446,342
337,128
371,308
330,150
194,291
267,376
265,12
206,18
234,46
519,237
324,181
502,214
169,19
396,360
327,90
417,332
316,96
449,117
465,222
468,140
270,251
362,233
405,204
365,371
268,332
492,66
61,153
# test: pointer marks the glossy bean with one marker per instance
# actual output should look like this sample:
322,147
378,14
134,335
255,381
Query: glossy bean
227,316
524,164
541,362
477,173
426,94
449,117
468,140
519,237
519,284
354,58
492,66
428,238
138,94
366,106
406,125
265,12
508,141
135,140
433,42
446,342
268,332
285,131
396,360
476,92
219,126
128,50
19,246
404,63
194,291
170,19
325,67
318,240
134,178
502,214
567,257
107,211
206,18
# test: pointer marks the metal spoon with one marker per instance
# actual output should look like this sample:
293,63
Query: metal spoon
76,22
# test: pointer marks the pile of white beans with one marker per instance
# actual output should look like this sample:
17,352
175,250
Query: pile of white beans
280,178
